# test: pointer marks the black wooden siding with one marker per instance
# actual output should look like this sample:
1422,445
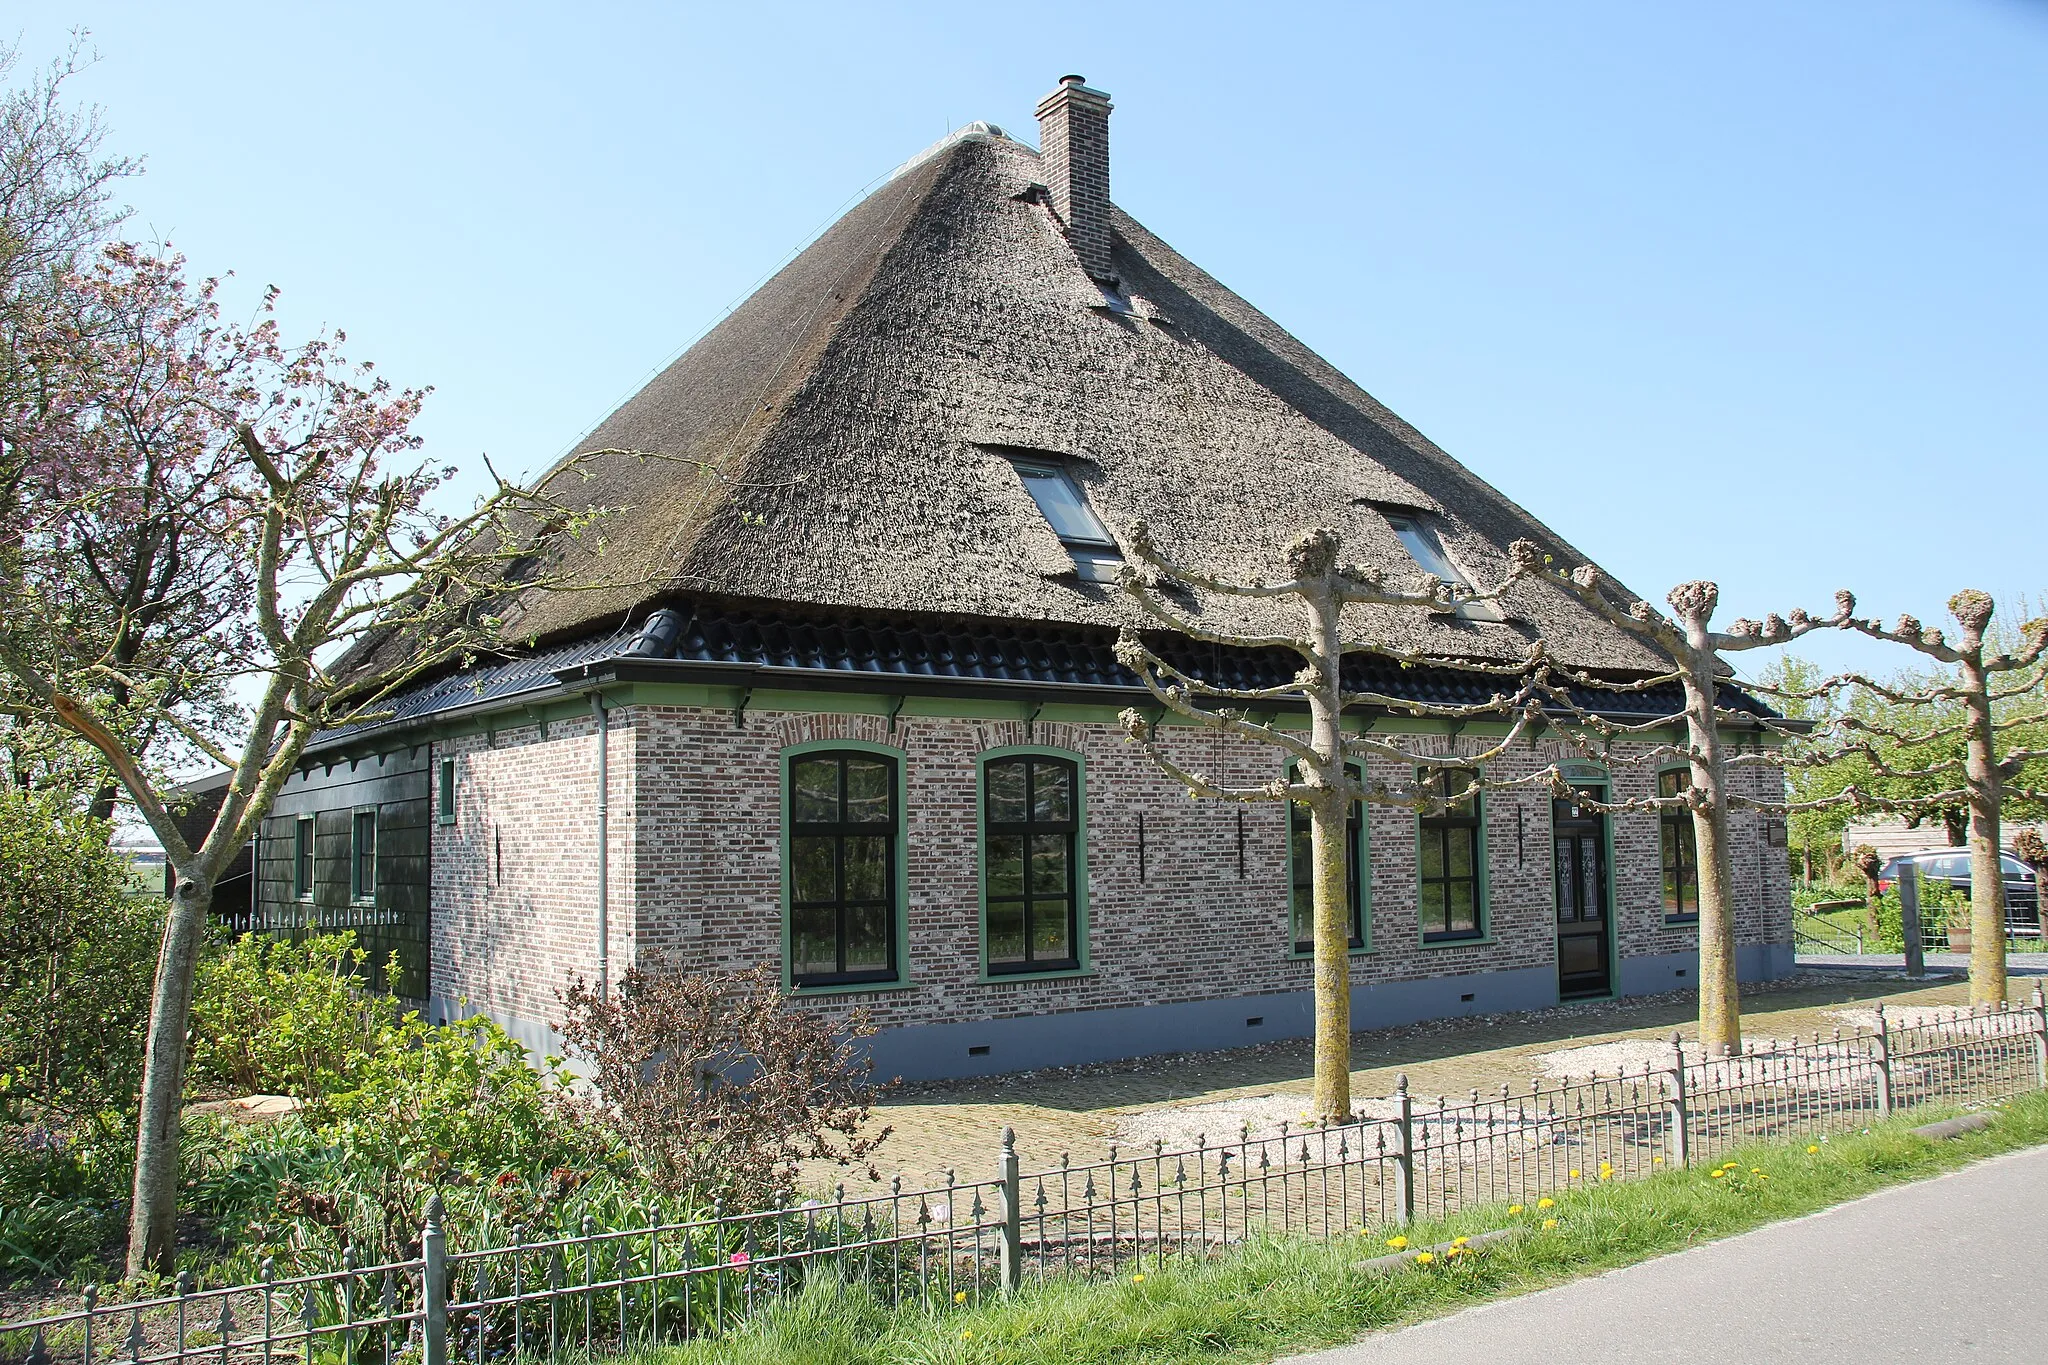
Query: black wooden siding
399,788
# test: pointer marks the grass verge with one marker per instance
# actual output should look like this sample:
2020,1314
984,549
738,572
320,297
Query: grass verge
1274,1297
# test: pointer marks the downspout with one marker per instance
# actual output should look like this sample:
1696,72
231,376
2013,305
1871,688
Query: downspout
604,843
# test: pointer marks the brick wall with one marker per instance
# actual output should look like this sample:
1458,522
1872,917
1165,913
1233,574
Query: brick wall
696,866
1073,139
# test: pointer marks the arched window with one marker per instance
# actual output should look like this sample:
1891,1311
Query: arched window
1031,820
843,826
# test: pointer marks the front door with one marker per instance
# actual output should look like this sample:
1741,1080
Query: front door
1582,923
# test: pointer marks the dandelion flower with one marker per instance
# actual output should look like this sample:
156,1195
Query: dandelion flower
1549,1224
966,1333
1756,1170
1656,1161
1717,1174
1546,1202
960,1296
1423,1258
1813,1149
1459,1241
1761,1176
1607,1175
1575,1173
1398,1243
1138,1278
1514,1208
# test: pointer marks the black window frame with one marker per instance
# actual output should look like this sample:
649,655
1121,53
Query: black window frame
362,882
444,802
1301,872
305,868
1028,830
1678,856
839,831
1467,816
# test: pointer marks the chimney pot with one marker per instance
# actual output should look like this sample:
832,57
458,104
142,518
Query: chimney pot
1073,143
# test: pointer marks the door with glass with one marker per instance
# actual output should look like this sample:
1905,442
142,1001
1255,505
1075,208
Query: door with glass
1583,929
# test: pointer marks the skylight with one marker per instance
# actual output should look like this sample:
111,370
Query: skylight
1428,553
1066,510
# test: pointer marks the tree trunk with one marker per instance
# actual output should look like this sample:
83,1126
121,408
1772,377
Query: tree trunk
1987,877
1720,997
153,1214
1328,821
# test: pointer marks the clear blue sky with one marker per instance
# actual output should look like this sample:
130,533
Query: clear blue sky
1749,291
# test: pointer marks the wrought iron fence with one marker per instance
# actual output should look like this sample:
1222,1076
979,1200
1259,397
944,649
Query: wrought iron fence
616,1290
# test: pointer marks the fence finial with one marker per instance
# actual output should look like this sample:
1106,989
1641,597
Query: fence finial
1401,1083
1009,1138
435,1211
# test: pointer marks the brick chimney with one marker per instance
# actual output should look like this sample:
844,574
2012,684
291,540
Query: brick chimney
1073,147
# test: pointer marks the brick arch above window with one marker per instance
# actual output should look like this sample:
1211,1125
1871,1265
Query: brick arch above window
1010,734
808,729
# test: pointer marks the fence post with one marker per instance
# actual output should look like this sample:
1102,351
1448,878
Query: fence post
1012,1259
1909,920
2040,1022
1681,1121
1404,1158
1884,1064
434,1285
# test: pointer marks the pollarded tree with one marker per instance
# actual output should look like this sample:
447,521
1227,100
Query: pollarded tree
1999,695
1319,587
307,558
1695,646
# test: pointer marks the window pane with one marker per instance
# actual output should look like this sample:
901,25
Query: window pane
810,870
1421,544
867,938
813,941
1048,864
1005,932
1006,865
867,867
1065,510
1302,848
1461,851
1005,780
1670,783
814,791
1432,908
1049,931
1304,914
1432,853
1673,902
1567,878
867,791
1052,792
1464,908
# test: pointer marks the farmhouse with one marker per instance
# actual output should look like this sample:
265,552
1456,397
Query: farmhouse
838,692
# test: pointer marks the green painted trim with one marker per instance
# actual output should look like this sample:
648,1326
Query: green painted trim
1364,855
446,802
1082,922
1691,921
1484,853
356,894
900,883
1482,941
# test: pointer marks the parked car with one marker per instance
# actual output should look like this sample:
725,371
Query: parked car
1952,865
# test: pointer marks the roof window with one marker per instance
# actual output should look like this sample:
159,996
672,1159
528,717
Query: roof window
1066,510
1428,553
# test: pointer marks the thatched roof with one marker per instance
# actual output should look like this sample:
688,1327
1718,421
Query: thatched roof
838,441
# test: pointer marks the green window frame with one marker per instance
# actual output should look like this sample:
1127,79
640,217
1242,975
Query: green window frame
1450,862
1033,863
843,817
1301,876
1678,851
362,856
445,802
302,858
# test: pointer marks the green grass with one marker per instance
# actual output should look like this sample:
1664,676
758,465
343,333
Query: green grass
1271,1298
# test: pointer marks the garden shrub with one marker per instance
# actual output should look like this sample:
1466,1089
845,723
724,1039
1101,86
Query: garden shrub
77,960
277,1018
719,1086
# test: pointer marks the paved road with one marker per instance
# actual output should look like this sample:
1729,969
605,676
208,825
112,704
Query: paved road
1872,1281
2016,964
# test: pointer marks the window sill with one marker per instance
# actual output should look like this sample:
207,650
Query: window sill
1480,942
854,988
1296,955
1005,978
1681,921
